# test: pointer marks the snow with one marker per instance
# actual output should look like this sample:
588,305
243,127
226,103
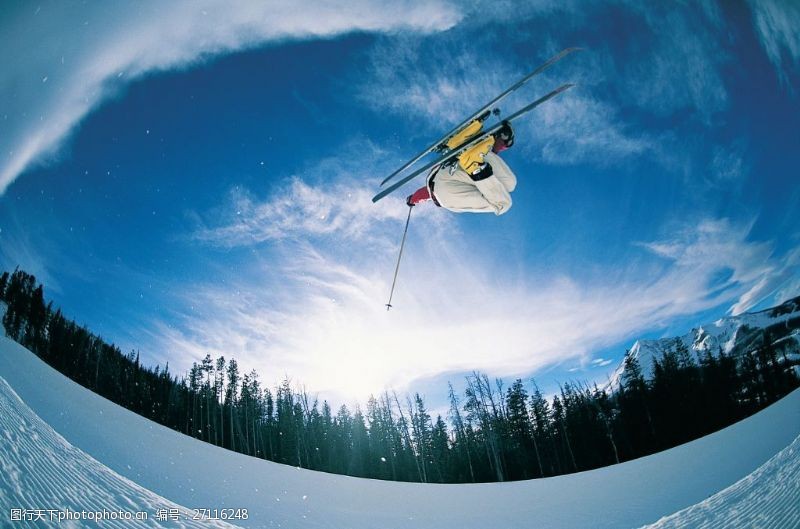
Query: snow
123,461
769,497
721,334
41,471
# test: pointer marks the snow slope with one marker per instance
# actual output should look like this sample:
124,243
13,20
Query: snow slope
39,469
727,334
126,460
769,497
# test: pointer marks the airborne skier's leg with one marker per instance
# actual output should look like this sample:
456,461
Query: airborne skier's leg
481,182
489,191
472,160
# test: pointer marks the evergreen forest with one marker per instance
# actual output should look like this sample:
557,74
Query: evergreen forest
493,431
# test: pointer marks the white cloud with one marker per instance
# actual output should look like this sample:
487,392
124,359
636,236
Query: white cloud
728,167
778,25
300,209
316,311
578,128
781,280
62,61
788,290
18,249
336,206
680,68
676,66
408,77
575,127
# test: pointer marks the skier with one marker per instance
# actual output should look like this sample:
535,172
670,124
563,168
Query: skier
480,181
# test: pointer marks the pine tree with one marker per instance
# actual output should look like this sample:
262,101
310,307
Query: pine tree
219,394
540,425
440,448
360,456
519,431
231,399
421,427
634,408
3,284
462,440
207,367
560,425
480,407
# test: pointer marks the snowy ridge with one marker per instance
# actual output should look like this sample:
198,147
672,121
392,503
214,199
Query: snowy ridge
119,459
40,470
726,334
766,498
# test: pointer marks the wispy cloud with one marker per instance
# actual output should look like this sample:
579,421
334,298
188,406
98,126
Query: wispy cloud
777,24
315,312
299,209
336,205
578,128
679,66
407,77
607,119
780,279
728,167
74,59
751,271
18,249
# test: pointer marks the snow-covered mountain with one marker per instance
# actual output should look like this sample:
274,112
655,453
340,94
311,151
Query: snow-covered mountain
734,335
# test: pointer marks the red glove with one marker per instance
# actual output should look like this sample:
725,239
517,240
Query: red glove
420,195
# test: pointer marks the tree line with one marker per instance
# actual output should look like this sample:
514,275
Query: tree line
491,432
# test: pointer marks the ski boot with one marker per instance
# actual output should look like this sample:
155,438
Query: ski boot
469,131
462,136
472,160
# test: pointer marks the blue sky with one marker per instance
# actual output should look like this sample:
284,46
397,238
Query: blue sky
192,178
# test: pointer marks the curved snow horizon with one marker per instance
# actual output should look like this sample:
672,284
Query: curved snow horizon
743,473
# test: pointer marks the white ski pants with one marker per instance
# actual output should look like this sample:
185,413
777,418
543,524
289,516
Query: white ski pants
457,192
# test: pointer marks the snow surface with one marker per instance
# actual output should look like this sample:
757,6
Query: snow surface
40,470
125,461
769,497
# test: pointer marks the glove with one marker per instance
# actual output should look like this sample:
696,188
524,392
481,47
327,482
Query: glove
420,195
484,172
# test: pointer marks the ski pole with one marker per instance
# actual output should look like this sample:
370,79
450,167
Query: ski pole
402,244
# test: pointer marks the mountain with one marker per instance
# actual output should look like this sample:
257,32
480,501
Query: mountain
735,335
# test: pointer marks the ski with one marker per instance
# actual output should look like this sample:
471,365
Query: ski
469,143
482,113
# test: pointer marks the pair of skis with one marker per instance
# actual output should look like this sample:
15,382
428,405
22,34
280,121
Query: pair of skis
481,114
